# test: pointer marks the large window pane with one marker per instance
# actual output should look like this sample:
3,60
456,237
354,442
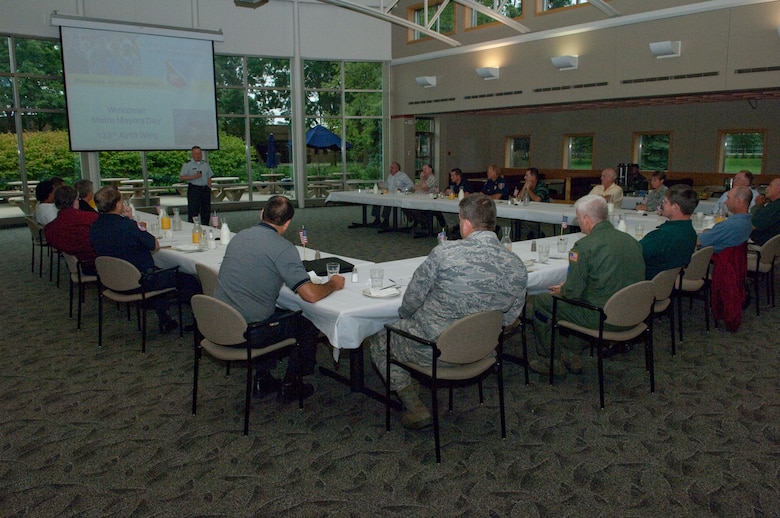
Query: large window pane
5,61
444,24
323,104
652,151
363,76
742,150
38,57
511,9
519,152
364,158
579,152
365,104
228,70
549,5
230,101
41,93
322,74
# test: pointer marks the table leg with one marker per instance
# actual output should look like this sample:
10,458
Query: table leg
356,380
365,219
394,227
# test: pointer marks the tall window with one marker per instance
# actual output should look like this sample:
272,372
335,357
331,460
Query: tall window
33,68
345,99
444,24
578,152
518,151
510,9
651,151
549,5
741,149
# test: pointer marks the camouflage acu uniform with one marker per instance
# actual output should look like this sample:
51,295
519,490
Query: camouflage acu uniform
457,279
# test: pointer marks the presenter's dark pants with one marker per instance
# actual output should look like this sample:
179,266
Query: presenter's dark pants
199,202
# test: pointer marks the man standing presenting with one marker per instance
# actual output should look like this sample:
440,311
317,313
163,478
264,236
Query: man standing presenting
257,262
197,173
602,263
608,187
766,214
457,279
397,181
496,186
672,244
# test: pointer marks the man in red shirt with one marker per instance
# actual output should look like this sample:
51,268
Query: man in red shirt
69,231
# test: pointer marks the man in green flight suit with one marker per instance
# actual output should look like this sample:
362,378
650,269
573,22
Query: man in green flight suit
602,263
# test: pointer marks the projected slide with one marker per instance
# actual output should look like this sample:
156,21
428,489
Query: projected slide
128,91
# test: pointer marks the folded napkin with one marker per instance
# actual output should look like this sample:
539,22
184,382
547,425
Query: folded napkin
383,292
316,279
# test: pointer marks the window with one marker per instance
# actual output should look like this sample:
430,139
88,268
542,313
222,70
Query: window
344,95
549,5
741,150
444,24
651,151
510,9
578,152
518,152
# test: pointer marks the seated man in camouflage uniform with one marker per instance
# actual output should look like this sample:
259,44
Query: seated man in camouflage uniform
457,279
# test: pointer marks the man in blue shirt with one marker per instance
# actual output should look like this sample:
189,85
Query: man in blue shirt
735,229
496,186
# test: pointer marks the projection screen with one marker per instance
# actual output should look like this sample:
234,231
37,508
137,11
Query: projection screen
135,91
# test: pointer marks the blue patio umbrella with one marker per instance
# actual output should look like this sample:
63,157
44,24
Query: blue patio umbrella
320,137
270,160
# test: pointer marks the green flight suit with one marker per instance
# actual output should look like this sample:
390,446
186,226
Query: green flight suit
600,264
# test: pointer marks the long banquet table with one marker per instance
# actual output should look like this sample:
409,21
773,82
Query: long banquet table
535,211
347,317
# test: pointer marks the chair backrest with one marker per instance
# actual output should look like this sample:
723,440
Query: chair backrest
631,305
699,264
217,321
664,283
208,278
117,274
72,263
769,250
35,229
471,338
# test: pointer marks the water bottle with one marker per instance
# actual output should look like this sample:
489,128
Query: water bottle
176,220
526,198
214,220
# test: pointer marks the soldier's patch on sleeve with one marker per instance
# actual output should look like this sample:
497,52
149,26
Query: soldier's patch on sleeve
573,256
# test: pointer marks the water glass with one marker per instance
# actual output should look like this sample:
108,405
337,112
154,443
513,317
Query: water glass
563,245
639,231
377,277
332,269
544,253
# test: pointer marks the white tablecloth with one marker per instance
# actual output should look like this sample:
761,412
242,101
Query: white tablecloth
347,316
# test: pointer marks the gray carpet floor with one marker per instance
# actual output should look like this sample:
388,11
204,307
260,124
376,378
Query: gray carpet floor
110,432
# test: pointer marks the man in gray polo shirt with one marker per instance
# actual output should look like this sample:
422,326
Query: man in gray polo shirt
257,262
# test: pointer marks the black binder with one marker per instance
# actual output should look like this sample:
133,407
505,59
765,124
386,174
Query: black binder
318,265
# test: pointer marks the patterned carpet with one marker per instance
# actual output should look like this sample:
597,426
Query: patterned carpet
110,432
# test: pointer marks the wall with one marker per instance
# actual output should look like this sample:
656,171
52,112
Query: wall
471,142
265,31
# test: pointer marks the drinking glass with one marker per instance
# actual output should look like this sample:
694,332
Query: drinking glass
563,245
639,231
544,253
377,277
332,269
